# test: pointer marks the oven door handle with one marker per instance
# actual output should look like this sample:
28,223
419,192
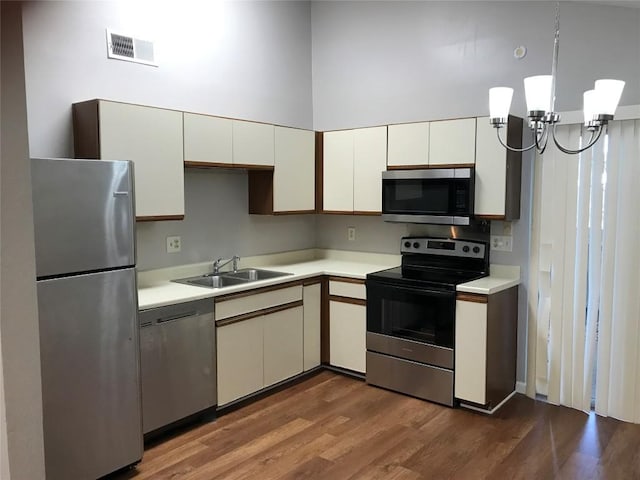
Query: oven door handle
418,291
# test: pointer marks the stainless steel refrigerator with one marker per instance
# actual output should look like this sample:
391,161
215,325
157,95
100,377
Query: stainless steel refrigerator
84,225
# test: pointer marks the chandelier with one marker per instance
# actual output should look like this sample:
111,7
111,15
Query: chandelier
540,92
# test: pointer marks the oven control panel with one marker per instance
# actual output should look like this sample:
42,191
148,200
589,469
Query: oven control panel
443,246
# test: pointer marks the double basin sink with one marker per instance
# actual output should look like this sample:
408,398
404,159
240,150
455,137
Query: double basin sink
228,279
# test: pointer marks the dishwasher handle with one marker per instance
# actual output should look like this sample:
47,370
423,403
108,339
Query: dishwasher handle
160,315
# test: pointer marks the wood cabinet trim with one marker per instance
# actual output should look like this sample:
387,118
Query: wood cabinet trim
514,169
359,281
319,152
258,313
261,192
325,327
429,167
86,129
313,281
490,217
295,212
340,212
502,340
250,167
353,301
255,291
158,218
472,297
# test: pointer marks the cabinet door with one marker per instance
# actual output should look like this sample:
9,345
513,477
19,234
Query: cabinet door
347,332
240,359
294,171
312,303
337,185
452,142
471,351
152,138
207,139
408,144
253,143
491,171
369,161
283,340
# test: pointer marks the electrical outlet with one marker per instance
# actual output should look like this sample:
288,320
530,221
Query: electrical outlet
502,243
351,233
174,244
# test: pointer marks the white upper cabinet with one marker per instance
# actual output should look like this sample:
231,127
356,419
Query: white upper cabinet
452,142
353,162
294,172
253,143
207,139
337,191
498,172
491,170
152,139
369,161
408,144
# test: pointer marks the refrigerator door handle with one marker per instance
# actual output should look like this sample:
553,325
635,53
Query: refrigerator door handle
120,194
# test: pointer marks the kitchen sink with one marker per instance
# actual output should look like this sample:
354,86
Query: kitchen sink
212,281
228,279
254,274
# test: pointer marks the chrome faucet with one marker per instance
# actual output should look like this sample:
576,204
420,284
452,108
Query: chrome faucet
218,264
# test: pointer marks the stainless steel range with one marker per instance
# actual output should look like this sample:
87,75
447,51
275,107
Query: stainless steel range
411,315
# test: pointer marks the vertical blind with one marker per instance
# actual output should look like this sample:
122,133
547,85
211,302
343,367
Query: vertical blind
584,286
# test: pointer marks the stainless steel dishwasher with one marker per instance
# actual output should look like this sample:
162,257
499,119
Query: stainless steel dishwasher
178,362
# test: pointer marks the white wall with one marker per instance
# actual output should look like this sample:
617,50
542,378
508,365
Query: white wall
376,63
216,224
247,59
239,59
21,446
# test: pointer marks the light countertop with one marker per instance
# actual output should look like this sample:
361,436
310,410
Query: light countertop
155,288
501,278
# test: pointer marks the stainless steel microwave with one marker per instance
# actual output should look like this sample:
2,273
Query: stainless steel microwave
439,195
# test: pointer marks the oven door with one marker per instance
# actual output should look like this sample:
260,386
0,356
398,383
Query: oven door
425,316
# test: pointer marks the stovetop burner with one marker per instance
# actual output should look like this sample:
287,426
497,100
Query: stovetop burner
438,263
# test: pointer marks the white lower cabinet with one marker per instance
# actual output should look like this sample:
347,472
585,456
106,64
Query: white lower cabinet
312,298
486,348
347,335
283,345
240,359
471,351
259,340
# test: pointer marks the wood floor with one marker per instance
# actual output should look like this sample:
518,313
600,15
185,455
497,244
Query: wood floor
335,427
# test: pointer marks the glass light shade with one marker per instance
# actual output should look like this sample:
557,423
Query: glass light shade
500,101
608,93
589,106
537,91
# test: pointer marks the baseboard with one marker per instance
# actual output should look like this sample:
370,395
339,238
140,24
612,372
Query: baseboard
521,387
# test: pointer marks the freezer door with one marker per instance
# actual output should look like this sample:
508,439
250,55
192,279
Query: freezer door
83,212
90,358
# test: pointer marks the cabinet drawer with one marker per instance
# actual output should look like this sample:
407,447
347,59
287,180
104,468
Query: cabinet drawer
347,289
259,301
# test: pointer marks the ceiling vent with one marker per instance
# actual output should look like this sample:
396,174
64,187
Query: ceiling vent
131,49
